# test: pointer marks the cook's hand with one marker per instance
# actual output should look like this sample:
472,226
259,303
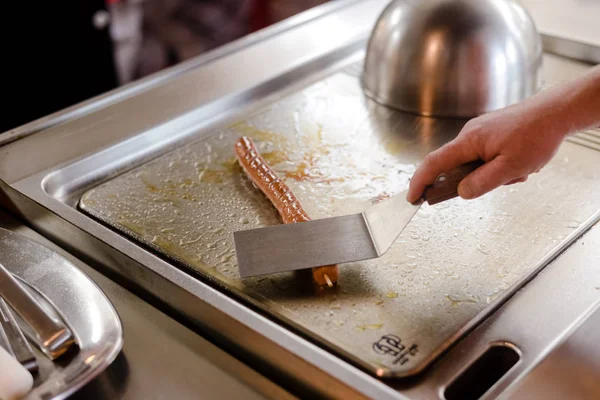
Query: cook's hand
515,141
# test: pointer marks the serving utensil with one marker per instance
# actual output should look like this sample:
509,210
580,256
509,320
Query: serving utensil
52,336
17,345
338,240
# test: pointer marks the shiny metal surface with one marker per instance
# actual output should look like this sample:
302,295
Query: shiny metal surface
571,370
17,344
569,27
453,58
535,317
327,241
4,341
536,320
339,153
58,285
52,335
572,49
181,365
240,330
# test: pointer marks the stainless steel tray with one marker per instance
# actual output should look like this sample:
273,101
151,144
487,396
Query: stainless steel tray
73,297
339,152
45,173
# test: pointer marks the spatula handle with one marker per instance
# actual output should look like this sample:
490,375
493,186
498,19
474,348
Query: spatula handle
445,186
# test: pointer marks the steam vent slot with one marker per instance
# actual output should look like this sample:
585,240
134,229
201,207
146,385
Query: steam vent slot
482,374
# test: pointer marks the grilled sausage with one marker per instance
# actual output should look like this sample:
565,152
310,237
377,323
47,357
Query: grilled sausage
281,197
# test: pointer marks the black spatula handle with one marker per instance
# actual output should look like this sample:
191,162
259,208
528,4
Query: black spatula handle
445,186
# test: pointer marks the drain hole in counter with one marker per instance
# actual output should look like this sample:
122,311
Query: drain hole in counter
482,374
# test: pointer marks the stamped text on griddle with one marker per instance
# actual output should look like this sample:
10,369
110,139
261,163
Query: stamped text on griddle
392,345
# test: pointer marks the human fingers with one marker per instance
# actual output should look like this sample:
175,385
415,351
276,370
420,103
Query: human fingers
517,180
487,178
447,157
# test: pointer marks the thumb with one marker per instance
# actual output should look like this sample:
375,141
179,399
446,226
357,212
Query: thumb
485,179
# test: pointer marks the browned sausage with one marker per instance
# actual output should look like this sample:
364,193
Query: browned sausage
281,197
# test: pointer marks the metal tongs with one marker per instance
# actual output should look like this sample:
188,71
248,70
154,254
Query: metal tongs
13,340
50,334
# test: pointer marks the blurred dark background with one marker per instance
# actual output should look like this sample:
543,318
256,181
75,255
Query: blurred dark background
57,54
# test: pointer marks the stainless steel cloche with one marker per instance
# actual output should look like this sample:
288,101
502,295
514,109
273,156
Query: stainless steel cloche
453,58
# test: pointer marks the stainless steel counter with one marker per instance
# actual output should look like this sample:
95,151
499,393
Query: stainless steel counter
164,359
567,26
161,358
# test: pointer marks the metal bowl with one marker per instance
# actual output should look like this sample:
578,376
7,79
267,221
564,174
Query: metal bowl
452,58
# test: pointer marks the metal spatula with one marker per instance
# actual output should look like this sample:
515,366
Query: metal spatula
338,240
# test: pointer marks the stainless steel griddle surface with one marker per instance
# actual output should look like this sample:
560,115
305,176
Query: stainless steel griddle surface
339,152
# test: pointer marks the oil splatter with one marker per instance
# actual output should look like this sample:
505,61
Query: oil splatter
455,301
369,327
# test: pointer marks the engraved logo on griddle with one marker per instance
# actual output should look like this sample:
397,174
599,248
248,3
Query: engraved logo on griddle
392,345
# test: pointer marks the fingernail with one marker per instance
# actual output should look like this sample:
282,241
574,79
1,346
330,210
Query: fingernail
464,190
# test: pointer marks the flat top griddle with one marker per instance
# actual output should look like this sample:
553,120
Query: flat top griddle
339,152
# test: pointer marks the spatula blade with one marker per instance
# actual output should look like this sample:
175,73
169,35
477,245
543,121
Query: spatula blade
291,247
327,241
